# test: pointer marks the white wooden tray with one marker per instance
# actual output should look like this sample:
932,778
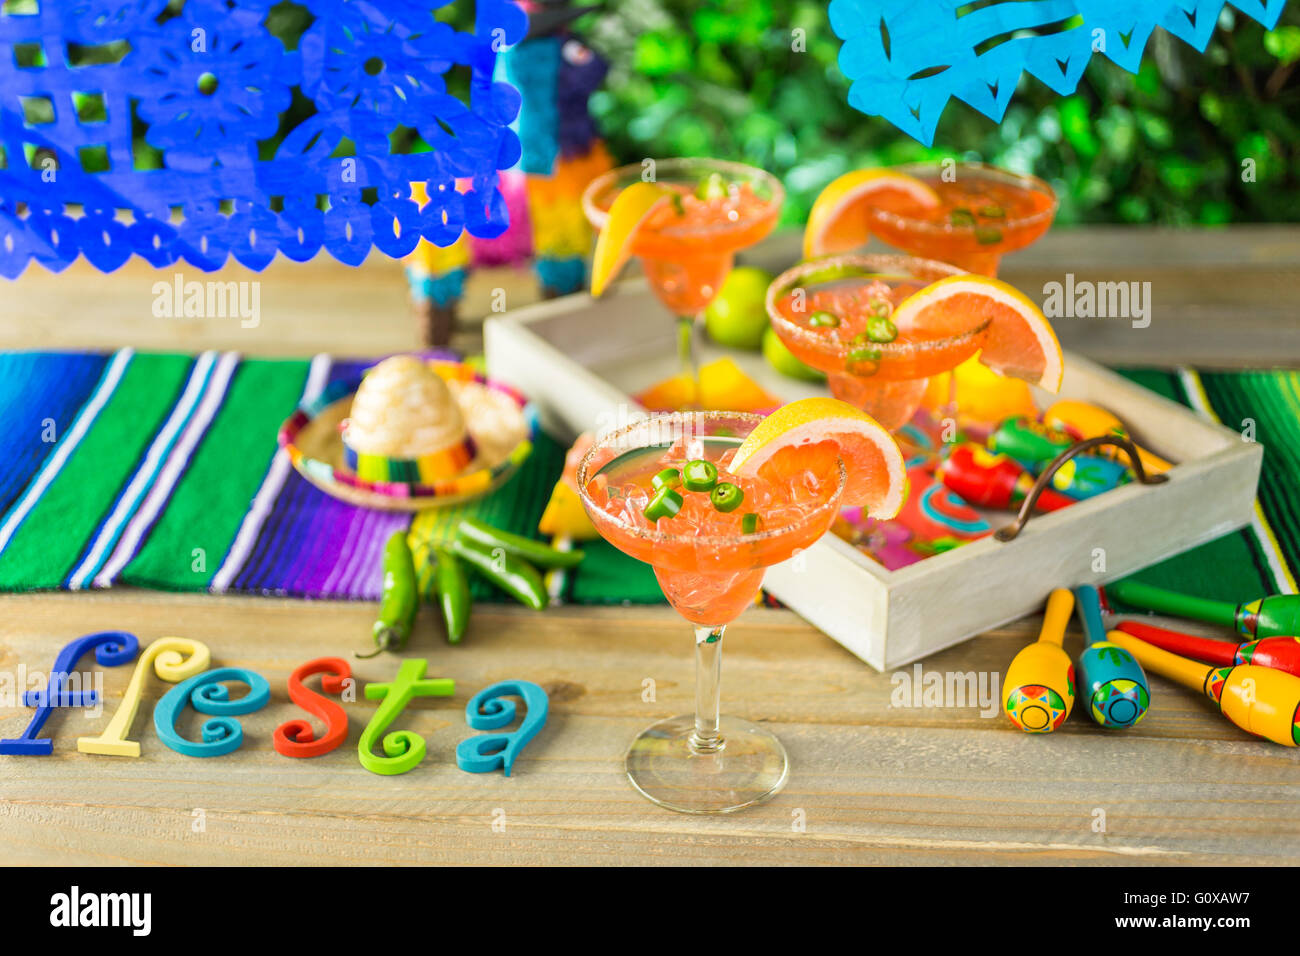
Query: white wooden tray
581,360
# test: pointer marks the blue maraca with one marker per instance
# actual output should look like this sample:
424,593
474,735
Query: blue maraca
1110,678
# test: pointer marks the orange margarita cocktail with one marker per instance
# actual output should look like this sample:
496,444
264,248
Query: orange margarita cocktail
710,500
684,220
880,326
968,214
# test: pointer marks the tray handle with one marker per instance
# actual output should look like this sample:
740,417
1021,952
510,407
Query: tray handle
1008,532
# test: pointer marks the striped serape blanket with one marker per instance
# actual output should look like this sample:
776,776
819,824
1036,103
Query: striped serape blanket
162,471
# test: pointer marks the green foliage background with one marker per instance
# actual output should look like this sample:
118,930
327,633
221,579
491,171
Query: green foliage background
719,77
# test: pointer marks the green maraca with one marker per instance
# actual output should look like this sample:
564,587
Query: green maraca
1278,614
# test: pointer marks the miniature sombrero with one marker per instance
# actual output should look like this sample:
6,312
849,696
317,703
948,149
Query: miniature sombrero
410,434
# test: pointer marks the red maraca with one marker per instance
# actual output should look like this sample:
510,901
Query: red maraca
1278,653
988,480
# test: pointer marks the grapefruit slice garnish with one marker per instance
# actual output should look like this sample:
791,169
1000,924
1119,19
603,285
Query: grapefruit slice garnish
1019,342
629,211
795,435
838,220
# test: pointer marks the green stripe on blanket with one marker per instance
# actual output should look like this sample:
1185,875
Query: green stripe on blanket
206,509
49,542
1229,568
1269,404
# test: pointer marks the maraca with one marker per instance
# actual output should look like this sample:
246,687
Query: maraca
1089,421
1028,443
1111,679
1033,446
1279,653
1260,701
1041,676
1084,476
1278,615
992,481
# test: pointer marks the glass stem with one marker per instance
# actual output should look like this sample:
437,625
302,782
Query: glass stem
983,263
707,738
686,355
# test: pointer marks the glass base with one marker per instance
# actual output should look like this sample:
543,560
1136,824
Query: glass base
751,766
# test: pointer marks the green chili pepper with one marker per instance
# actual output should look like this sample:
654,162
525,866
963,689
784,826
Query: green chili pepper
712,186
961,217
880,329
453,595
699,475
526,549
513,575
668,478
665,504
987,235
821,319
749,523
863,361
993,212
679,206
880,307
726,497
397,604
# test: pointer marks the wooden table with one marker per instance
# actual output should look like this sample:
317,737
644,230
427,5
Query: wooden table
871,782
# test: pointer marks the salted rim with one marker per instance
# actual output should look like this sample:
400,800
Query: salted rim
874,266
989,172
661,537
739,171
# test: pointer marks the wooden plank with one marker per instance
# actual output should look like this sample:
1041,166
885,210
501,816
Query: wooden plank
1223,298
871,782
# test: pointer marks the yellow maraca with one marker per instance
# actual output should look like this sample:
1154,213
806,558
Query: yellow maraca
1040,680
1089,421
1259,700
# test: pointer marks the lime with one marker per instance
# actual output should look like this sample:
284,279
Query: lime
779,357
737,315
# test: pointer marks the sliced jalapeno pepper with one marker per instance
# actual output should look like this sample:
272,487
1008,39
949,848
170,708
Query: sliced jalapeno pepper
821,319
749,523
453,594
534,552
397,603
668,478
699,475
712,186
726,497
880,329
665,504
513,575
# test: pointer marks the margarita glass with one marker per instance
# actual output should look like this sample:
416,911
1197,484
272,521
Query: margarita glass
983,213
687,246
886,379
709,563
